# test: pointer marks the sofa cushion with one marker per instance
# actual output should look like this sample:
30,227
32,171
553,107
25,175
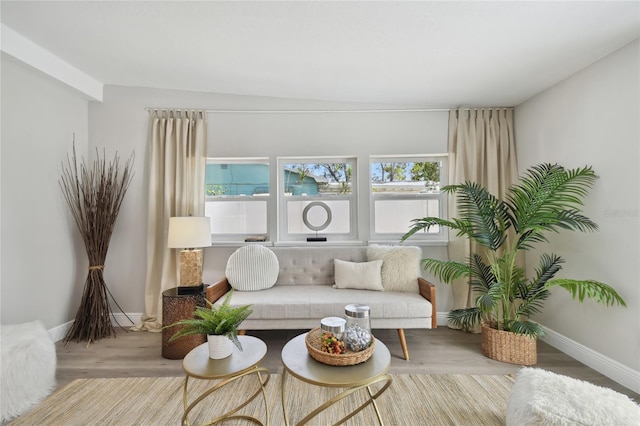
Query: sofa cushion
313,265
319,301
252,268
400,267
358,275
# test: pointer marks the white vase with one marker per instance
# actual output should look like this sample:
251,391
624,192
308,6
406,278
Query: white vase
219,346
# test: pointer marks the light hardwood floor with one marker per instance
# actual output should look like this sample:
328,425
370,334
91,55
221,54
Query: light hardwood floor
438,351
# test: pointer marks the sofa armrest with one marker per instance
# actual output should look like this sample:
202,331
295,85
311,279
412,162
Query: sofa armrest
428,291
217,290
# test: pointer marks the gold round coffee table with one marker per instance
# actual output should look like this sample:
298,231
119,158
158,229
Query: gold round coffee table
198,365
298,363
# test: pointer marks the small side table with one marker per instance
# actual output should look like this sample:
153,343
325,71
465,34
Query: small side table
175,308
299,364
198,365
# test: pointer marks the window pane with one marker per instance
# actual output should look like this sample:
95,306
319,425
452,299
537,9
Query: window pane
393,216
229,179
405,177
316,216
317,178
237,217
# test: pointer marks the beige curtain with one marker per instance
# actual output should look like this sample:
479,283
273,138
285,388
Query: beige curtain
176,162
481,149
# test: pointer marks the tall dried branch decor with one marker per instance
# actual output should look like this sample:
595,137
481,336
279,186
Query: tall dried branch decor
94,195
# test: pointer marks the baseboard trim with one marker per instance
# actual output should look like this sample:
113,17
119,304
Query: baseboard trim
614,370
59,333
441,318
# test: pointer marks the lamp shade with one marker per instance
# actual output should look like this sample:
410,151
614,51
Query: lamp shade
189,232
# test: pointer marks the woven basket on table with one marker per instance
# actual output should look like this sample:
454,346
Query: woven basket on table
314,345
508,347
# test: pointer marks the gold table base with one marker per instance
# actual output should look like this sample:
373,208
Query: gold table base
239,364
351,379
229,414
387,379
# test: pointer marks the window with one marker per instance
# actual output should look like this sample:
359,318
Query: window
237,198
404,188
317,198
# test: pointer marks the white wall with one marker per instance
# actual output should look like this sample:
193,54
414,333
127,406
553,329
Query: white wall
43,260
592,118
120,123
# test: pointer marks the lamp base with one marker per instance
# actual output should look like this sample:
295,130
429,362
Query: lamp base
190,289
191,267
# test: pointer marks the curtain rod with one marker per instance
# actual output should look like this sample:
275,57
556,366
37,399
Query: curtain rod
316,111
299,111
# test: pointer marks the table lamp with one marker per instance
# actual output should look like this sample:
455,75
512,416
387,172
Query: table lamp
190,233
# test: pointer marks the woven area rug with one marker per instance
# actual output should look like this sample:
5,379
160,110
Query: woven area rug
416,399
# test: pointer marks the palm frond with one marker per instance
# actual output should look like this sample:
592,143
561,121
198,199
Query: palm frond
590,289
574,220
532,303
540,200
550,264
482,277
427,222
528,328
465,318
446,270
484,215
487,302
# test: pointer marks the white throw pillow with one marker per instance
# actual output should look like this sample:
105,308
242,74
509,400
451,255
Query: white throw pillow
252,268
358,275
400,267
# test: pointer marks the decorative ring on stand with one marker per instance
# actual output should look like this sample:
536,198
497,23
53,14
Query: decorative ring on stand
305,212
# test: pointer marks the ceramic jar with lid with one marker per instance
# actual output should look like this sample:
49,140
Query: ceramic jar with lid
357,334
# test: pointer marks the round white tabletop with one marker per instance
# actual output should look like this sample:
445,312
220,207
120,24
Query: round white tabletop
298,362
198,364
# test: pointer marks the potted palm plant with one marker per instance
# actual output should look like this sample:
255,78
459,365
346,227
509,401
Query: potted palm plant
548,198
220,324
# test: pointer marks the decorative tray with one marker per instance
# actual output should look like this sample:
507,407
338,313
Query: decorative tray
314,344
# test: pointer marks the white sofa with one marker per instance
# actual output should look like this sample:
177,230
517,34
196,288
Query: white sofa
304,291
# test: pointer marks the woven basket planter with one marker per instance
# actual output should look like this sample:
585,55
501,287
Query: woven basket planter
508,347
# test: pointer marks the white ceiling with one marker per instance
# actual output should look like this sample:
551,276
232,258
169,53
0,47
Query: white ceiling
429,54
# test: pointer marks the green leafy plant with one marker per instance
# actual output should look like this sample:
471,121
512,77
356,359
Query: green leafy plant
221,320
547,198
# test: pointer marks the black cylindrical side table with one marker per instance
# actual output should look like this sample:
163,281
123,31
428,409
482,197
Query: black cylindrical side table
175,308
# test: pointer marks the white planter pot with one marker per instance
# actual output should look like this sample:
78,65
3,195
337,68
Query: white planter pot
219,346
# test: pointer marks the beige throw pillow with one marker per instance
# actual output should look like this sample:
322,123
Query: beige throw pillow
400,268
358,275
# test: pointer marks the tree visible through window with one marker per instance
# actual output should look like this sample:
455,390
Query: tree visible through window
327,180
402,189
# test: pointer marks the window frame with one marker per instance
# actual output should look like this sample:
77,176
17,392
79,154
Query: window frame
283,234
268,198
441,237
